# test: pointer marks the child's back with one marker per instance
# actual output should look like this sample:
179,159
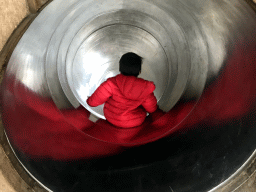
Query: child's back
127,98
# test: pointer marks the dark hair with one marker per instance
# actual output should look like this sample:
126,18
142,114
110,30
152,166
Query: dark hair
130,64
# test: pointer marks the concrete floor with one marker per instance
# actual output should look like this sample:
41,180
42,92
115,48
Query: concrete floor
248,186
10,181
11,14
4,184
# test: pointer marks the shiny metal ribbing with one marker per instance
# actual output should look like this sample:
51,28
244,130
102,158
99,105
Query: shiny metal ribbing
72,47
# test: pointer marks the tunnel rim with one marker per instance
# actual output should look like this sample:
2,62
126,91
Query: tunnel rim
252,156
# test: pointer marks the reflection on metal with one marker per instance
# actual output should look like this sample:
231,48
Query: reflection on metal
194,42
72,47
25,167
99,55
248,163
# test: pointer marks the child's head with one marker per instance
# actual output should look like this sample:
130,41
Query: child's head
130,64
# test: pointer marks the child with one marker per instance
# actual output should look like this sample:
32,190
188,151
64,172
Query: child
127,98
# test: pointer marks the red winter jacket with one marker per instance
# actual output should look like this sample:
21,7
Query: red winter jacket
127,100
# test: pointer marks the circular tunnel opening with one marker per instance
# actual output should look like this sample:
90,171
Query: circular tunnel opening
97,59
201,59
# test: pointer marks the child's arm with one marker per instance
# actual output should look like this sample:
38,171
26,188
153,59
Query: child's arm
150,104
101,95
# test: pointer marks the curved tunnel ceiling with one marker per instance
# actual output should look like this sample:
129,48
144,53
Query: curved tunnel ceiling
201,57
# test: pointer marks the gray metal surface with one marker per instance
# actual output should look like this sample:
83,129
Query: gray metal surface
182,44
81,35
72,47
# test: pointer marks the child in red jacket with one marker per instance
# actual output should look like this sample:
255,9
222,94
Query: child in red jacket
127,98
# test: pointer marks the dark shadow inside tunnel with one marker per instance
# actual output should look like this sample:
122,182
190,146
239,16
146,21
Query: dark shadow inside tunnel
199,159
207,53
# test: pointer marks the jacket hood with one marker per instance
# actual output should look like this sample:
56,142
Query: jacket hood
134,88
